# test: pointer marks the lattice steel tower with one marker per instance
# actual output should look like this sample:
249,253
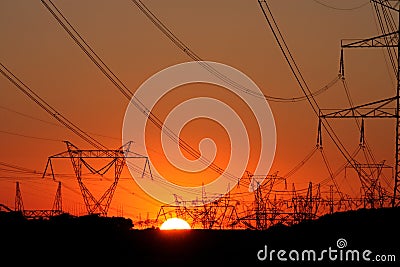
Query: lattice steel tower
380,108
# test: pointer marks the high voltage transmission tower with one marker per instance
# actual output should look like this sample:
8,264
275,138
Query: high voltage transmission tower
80,157
380,108
38,213
220,213
19,204
374,194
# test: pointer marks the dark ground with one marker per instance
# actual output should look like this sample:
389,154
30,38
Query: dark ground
92,240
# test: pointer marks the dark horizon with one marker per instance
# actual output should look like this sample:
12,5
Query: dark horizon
82,238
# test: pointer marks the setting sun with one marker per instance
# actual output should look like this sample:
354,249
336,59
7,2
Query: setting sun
175,224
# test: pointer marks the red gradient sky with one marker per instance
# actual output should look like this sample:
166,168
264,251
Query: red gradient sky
36,49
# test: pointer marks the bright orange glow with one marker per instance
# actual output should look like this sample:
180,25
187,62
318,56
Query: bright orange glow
175,224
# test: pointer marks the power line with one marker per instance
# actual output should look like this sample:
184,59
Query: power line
95,58
29,136
341,8
67,26
45,106
49,122
299,77
182,46
51,110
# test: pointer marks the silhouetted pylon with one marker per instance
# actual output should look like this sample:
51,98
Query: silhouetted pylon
19,204
57,205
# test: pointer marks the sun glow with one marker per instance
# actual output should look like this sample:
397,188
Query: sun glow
175,224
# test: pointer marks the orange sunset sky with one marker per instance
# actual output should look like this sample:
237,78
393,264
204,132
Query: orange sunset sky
37,50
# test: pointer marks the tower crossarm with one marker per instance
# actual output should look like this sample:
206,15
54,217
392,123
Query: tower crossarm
384,40
376,109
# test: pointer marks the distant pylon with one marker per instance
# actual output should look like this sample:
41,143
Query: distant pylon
19,204
79,159
57,205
